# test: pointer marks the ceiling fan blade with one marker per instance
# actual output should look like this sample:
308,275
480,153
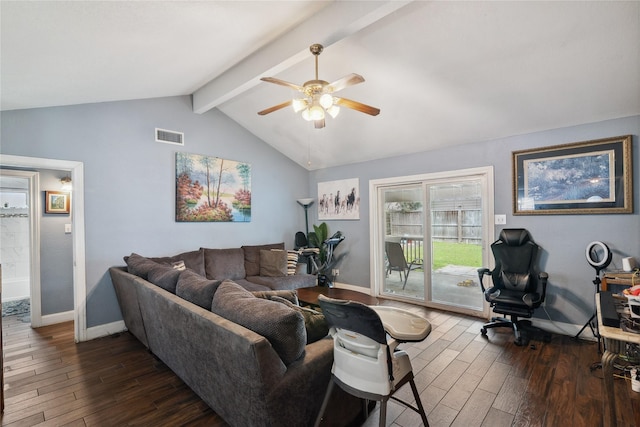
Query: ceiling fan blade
318,124
283,83
346,81
274,108
354,105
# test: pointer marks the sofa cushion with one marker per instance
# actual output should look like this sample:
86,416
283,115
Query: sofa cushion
252,287
286,294
193,260
165,276
314,321
273,263
221,264
252,256
283,327
196,289
139,265
288,282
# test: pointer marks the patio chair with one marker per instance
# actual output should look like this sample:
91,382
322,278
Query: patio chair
398,262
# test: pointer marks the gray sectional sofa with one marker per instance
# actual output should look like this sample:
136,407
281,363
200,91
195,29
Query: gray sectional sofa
243,265
240,342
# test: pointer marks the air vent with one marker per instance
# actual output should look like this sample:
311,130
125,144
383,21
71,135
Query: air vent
169,136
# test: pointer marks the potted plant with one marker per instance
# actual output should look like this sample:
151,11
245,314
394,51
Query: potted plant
319,238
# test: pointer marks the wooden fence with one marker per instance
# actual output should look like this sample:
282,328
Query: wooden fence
460,226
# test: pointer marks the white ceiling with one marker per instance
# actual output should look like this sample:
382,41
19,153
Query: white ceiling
442,72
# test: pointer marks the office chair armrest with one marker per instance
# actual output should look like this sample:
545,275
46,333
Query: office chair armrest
543,277
481,273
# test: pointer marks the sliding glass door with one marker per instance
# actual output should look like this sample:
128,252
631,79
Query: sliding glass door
431,235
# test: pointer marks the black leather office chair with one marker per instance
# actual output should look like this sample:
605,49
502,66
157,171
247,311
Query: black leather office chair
517,288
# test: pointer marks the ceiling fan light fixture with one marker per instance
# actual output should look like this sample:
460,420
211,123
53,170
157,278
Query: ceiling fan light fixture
299,104
316,112
317,98
326,101
333,111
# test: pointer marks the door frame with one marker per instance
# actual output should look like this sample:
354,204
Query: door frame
376,224
76,170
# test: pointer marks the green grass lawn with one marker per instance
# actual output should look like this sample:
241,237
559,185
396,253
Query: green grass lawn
446,253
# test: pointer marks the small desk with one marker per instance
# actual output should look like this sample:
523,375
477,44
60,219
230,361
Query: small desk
310,295
614,340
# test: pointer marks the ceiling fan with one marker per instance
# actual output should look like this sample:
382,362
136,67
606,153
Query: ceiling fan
317,98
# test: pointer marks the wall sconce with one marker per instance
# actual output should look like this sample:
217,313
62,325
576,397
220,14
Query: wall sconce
305,203
66,183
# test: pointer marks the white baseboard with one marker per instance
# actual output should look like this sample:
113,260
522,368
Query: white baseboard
52,319
105,330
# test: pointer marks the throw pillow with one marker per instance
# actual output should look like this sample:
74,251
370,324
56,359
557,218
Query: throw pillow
314,321
179,265
252,256
286,294
193,260
292,262
273,263
196,289
224,264
139,265
164,276
283,327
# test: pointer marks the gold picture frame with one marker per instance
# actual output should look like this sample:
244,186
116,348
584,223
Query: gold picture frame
57,202
589,177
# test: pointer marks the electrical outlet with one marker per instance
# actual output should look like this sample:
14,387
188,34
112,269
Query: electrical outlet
500,219
335,272
67,228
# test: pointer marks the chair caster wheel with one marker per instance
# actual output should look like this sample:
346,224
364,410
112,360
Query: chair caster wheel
483,331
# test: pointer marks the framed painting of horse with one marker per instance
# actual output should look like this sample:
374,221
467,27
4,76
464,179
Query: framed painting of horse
339,199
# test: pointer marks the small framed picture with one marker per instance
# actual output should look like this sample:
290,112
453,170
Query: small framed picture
57,202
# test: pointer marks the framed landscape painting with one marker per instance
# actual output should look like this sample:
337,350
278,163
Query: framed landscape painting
57,202
590,177
211,189
339,199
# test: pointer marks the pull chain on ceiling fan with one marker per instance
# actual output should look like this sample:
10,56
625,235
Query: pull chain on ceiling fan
317,96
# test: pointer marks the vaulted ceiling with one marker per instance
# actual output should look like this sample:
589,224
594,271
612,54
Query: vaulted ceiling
442,72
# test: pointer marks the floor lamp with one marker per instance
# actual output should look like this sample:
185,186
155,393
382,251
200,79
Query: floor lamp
305,203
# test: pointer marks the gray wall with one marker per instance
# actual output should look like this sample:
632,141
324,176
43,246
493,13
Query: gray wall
56,252
129,181
563,237
129,192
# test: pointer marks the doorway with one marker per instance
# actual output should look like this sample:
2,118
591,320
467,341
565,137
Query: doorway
20,239
76,171
430,235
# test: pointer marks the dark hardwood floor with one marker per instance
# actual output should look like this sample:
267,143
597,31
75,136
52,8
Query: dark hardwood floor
464,379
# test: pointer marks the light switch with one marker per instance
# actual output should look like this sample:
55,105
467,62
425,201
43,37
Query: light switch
67,228
500,219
